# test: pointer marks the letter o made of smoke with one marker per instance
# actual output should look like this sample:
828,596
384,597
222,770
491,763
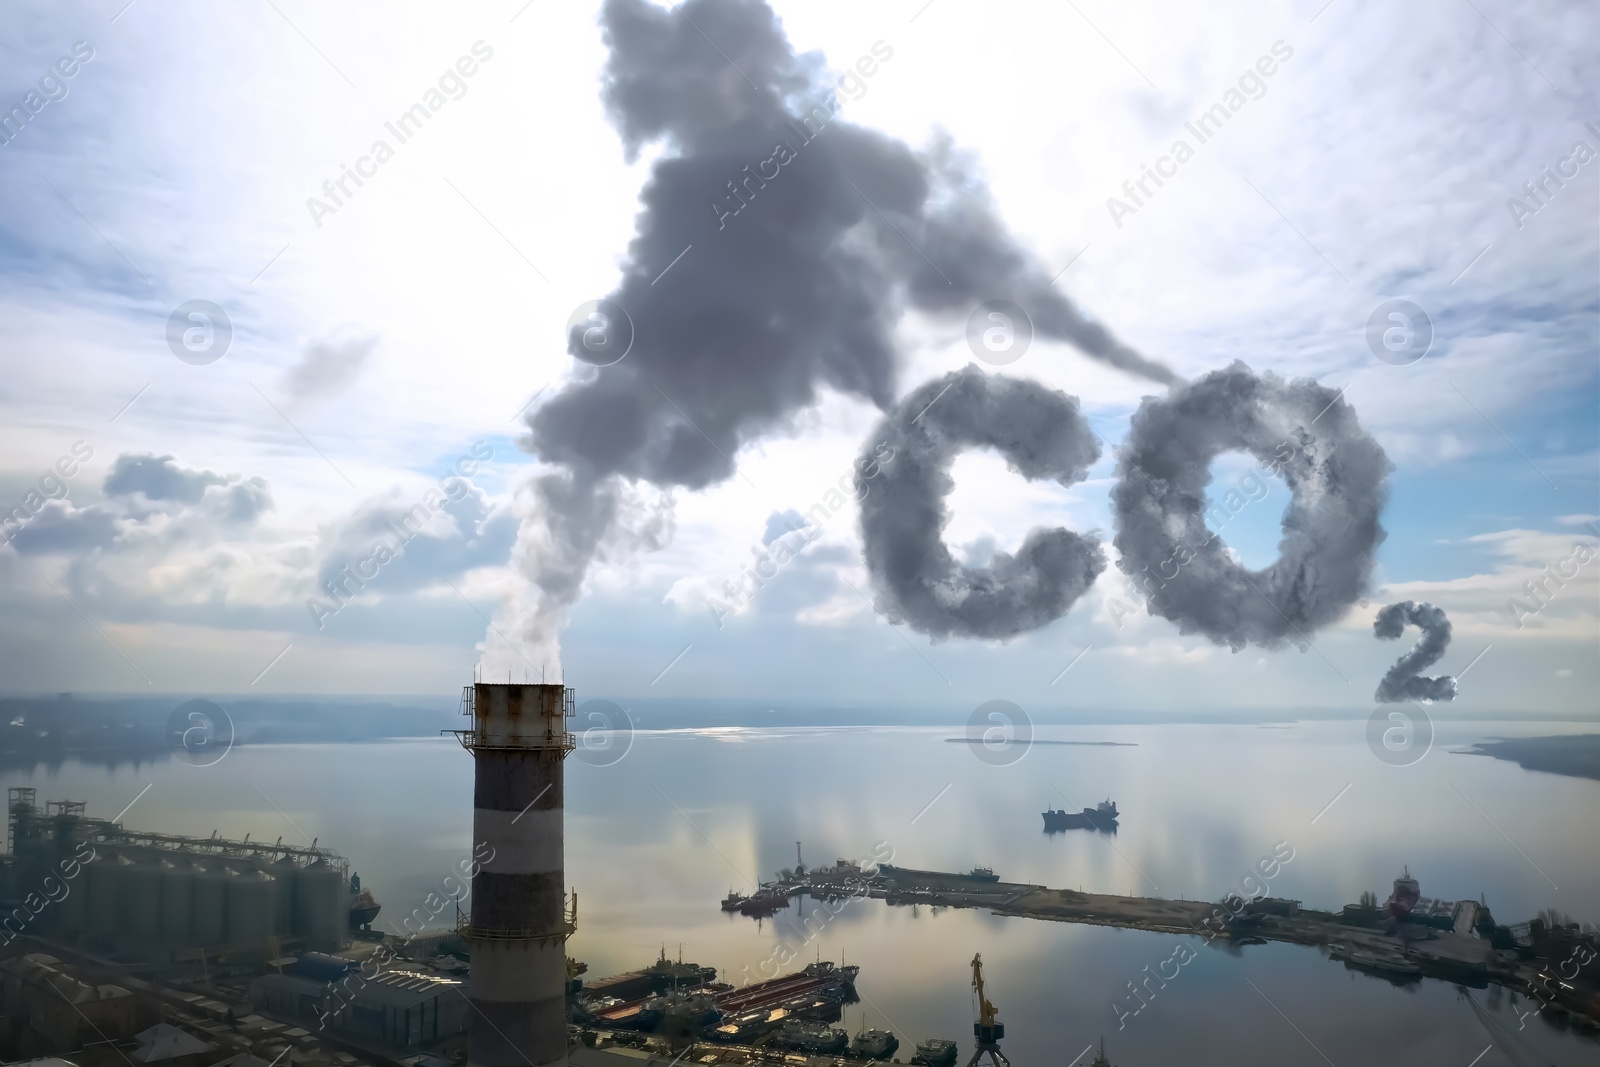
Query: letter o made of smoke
1041,435
1337,475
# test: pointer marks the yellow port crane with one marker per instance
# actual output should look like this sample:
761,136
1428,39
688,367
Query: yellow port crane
988,1030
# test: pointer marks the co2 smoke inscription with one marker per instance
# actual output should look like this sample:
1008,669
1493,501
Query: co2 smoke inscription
1404,680
1335,470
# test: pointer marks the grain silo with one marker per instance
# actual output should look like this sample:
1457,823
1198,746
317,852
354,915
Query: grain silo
177,899
286,872
211,905
252,907
145,889
518,934
320,912
35,862
106,891
35,858
141,884
72,915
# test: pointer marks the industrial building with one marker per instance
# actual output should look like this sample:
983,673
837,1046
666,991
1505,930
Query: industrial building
65,1007
91,883
172,1046
401,1009
48,1009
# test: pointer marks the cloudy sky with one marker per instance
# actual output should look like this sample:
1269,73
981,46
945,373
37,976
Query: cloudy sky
179,488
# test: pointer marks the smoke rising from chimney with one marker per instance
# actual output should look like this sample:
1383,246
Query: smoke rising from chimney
738,325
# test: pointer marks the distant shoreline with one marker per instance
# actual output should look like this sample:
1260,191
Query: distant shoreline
1043,741
1574,755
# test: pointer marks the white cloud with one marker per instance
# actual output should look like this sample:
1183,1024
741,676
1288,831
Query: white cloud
329,366
1538,589
1389,142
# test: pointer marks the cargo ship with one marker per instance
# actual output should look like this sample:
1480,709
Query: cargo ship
684,1011
814,1038
662,976
874,1044
822,977
768,899
1103,816
936,1052
1407,891
723,1012
364,907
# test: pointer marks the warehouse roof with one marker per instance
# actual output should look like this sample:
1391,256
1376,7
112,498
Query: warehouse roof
164,1041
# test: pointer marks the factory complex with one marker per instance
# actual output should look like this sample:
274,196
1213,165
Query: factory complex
145,898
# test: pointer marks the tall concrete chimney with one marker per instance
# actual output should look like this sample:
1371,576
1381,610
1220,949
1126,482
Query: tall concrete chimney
519,927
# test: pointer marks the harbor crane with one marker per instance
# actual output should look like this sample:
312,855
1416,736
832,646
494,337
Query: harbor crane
988,1030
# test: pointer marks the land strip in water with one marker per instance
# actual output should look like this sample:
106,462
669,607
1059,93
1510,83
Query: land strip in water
1575,756
1564,981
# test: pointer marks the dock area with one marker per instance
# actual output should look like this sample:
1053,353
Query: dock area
1409,952
1459,958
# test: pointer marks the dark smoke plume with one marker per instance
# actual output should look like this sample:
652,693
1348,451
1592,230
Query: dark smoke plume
777,248
1299,429
903,514
1404,681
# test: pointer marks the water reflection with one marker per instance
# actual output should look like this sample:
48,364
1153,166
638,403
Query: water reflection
655,841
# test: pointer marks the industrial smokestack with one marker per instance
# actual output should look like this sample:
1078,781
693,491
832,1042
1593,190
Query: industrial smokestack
519,927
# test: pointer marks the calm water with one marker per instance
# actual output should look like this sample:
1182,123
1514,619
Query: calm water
656,839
